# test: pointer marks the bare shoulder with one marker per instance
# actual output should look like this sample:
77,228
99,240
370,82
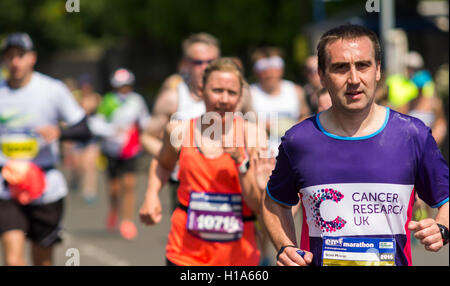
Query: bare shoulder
172,81
167,98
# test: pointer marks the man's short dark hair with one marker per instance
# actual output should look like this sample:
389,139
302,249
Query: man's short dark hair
203,38
348,31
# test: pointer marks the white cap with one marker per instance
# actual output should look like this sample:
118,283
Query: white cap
414,60
121,77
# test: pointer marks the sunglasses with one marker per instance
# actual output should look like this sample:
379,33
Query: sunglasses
200,62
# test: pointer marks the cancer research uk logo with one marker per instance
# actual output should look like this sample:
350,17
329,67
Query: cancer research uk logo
316,199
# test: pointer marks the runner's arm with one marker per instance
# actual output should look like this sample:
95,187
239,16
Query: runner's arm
151,144
159,173
151,210
78,132
442,215
165,106
280,226
256,139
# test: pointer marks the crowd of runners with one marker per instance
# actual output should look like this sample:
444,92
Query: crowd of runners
239,159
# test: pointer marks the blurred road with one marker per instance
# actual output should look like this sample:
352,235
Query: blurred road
85,231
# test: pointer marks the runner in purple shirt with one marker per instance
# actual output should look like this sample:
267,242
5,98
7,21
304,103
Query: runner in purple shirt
355,167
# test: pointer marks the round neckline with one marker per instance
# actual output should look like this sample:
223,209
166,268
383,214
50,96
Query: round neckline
347,138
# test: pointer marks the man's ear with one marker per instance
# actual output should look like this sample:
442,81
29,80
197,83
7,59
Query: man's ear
378,75
33,58
321,76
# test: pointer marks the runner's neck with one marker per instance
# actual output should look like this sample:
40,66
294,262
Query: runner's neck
193,90
272,91
355,124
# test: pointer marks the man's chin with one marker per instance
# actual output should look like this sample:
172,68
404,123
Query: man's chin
356,108
16,77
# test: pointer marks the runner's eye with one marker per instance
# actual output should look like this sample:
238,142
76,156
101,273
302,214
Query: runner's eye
363,65
218,90
339,67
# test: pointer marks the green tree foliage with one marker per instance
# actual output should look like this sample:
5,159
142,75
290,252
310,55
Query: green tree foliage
101,22
241,25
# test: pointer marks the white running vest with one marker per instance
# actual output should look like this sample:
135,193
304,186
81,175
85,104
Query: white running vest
286,105
188,108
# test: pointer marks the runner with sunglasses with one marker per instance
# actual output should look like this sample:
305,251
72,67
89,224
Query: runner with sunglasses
178,97
217,197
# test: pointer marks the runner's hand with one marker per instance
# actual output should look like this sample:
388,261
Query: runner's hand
428,233
50,133
290,257
151,210
263,167
233,151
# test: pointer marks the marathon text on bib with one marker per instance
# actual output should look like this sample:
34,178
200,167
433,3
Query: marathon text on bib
358,251
215,217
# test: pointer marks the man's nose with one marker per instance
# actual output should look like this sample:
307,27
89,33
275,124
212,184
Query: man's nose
224,97
353,76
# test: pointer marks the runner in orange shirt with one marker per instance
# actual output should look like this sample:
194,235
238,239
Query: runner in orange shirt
218,195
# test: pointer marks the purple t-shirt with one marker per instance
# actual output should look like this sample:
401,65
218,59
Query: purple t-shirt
357,193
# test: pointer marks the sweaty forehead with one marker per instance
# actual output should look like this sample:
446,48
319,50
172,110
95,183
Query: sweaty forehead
349,50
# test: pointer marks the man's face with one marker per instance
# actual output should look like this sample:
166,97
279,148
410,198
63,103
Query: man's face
19,63
125,89
270,77
351,73
198,58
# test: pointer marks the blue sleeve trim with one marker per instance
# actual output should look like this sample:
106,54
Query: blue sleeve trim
440,204
278,201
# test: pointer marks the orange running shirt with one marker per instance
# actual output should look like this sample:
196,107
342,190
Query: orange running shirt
219,176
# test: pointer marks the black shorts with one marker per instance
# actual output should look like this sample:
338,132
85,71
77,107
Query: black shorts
41,223
118,167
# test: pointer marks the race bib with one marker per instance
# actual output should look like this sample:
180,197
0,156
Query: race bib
19,146
215,217
358,251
